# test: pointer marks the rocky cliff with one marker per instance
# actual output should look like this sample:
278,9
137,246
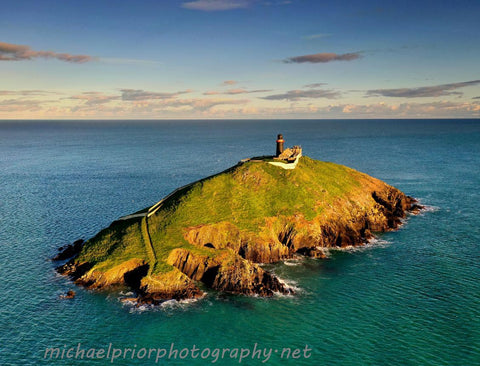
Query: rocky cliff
215,232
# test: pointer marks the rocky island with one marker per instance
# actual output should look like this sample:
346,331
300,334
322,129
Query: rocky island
214,233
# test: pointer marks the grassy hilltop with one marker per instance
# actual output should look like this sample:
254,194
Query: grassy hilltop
213,232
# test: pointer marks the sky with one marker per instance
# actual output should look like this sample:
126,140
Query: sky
239,59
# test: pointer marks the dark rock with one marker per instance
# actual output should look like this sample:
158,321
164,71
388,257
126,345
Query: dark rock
69,295
74,270
313,252
69,251
134,277
156,298
416,208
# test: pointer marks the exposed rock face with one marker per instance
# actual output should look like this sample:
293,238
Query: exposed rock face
215,232
226,235
224,274
282,237
74,269
172,285
244,277
122,274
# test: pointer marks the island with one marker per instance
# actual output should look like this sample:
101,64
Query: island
217,232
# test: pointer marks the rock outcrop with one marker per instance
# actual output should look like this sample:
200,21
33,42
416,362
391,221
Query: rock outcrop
70,294
69,250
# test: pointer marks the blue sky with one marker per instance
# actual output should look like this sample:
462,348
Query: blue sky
239,59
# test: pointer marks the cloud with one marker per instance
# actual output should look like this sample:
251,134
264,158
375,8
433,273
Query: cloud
237,91
281,2
301,104
139,94
179,107
317,36
229,82
377,110
27,92
411,110
244,91
206,103
211,92
314,85
14,52
21,105
422,92
296,95
476,98
94,98
323,58
128,61
216,5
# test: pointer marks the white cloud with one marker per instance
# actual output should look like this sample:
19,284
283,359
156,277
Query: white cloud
216,5
317,36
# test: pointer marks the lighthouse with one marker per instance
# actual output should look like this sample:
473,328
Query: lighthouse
280,142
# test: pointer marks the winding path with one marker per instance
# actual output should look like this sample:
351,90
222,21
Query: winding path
148,244
151,211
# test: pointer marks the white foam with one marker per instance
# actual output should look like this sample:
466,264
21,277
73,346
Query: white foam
293,262
279,294
128,293
141,308
428,208
370,244
289,285
377,242
128,302
169,304
191,301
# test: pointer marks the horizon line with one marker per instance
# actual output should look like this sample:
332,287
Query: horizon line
228,119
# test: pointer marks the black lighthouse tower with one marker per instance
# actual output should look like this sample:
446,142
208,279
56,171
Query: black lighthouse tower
280,142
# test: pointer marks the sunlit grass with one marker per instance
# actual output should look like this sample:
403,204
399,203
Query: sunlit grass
244,195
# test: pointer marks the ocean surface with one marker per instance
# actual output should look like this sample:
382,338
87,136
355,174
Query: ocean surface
410,298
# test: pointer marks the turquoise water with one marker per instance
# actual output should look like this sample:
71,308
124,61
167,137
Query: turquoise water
413,298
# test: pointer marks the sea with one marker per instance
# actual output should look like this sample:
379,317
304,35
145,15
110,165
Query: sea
410,297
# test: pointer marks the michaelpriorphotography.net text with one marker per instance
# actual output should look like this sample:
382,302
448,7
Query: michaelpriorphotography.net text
112,354
281,182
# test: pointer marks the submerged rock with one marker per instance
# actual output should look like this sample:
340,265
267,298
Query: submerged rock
70,294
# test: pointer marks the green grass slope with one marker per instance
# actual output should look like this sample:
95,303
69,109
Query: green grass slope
215,230
244,195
